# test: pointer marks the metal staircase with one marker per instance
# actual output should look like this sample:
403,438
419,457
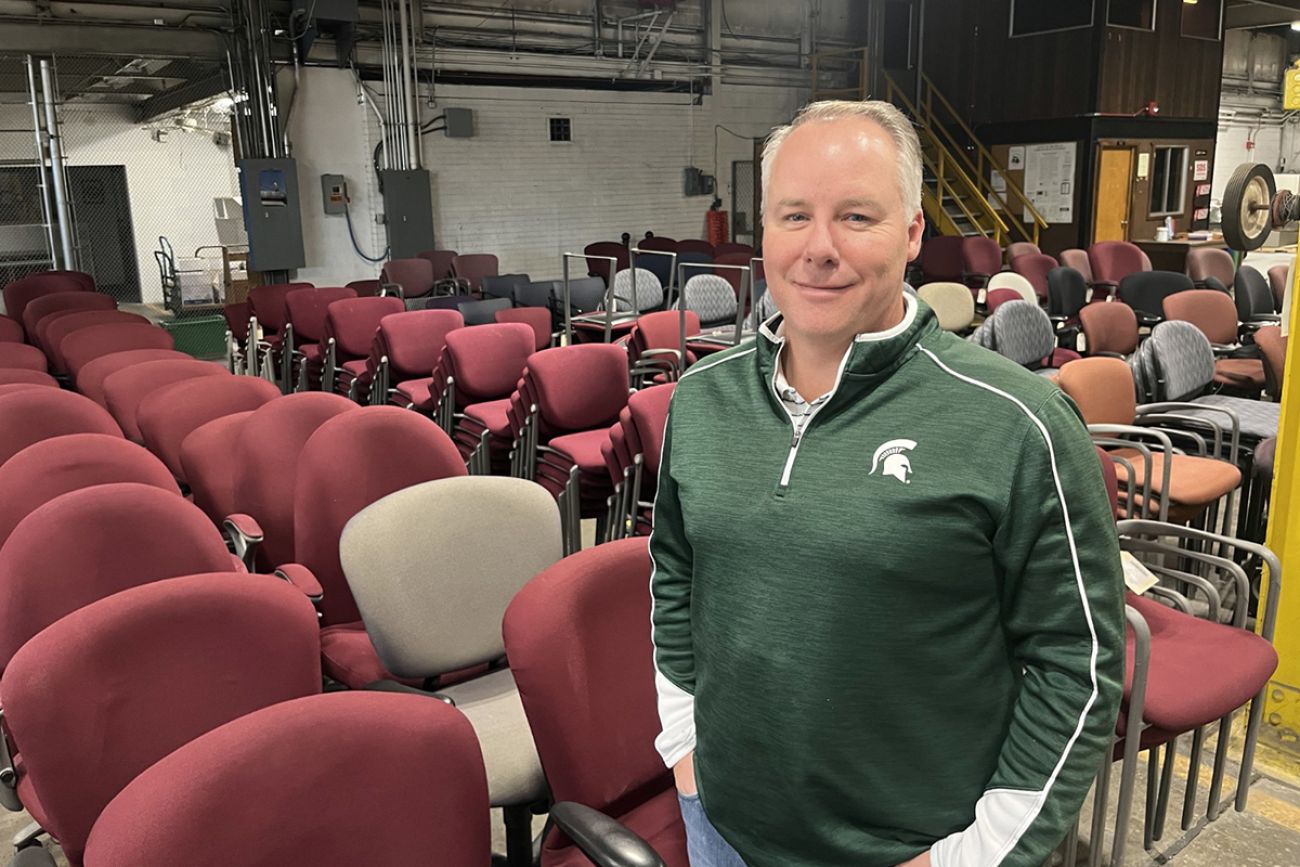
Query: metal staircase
958,195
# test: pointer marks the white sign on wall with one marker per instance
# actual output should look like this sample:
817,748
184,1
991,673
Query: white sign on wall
1049,180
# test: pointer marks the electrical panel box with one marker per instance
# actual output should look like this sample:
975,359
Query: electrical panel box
460,122
334,193
408,211
696,183
272,214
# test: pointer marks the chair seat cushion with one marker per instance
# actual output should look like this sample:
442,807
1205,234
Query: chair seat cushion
493,415
658,821
1241,372
312,352
355,368
348,656
492,705
583,448
419,392
1258,419
1200,671
1192,480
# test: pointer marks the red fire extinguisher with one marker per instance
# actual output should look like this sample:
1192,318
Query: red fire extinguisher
718,229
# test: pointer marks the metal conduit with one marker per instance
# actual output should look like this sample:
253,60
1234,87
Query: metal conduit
47,215
56,167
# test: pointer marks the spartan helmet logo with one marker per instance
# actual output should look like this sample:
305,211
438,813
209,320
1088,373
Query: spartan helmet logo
891,460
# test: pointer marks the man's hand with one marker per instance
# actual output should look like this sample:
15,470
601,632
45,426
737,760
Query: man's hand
684,775
922,860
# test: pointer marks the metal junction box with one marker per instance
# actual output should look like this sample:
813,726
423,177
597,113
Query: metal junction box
272,214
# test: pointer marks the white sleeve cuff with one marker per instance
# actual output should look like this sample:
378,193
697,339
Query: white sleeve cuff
677,717
1001,818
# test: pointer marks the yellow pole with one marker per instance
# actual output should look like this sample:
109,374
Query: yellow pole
1282,714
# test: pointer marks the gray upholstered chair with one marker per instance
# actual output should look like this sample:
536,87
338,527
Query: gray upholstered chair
432,568
711,297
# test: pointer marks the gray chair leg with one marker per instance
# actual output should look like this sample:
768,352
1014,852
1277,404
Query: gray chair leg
1100,797
1212,809
1166,785
1193,779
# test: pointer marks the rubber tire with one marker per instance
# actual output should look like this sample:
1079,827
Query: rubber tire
1233,235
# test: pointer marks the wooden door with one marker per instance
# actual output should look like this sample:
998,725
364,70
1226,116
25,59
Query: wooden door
1114,187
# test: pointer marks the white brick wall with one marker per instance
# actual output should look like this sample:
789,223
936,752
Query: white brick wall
509,190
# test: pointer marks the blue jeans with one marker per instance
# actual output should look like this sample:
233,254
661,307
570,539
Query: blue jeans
704,844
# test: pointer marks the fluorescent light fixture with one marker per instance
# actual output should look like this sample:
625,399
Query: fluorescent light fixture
1295,25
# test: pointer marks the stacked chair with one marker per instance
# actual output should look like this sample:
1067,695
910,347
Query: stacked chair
304,335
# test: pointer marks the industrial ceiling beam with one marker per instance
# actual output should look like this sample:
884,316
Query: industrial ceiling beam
178,97
140,41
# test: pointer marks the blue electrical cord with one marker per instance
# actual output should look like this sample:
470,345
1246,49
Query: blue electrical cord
347,213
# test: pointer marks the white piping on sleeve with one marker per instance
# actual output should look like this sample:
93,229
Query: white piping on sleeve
1003,815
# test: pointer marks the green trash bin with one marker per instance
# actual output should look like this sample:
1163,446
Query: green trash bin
201,336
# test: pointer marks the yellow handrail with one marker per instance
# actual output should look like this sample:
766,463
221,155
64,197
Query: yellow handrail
985,154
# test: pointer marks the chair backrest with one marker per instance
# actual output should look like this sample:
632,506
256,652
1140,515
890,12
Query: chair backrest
658,242
265,459
599,254
586,294
1109,328
536,318
80,279
504,285
473,267
767,306
351,461
306,310
1102,388
590,609
354,322
21,292
1183,358
662,329
712,297
415,276
638,290
1079,261
980,255
55,466
430,575
952,303
1208,309
90,381
1035,267
1272,345
21,376
487,360
287,777
1015,282
1112,261
11,330
441,262
695,245
941,259
1021,248
125,389
267,303
167,415
93,542
206,465
648,412
82,347
1203,262
1252,293
580,387
540,293
112,688
660,260
56,302
483,312
1279,282
31,415
413,340
1020,331
22,356
1067,292
365,288
997,297
67,322
728,248
237,316
1146,291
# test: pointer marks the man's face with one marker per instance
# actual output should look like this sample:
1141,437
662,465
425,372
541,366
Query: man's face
836,235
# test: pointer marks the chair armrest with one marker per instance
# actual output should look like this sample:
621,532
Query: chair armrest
403,689
605,841
301,577
245,534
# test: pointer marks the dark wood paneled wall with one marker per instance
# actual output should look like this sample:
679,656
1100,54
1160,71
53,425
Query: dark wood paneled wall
1180,73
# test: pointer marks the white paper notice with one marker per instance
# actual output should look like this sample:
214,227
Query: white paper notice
1049,180
1016,157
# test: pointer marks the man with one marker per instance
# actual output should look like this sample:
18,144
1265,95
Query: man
888,616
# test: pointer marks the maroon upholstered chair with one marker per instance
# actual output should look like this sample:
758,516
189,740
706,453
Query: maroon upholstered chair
67,322
206,460
536,318
366,288
351,327
981,258
110,689
1206,262
998,297
280,787
11,330
125,389
30,415
16,376
1034,267
415,277
441,262
1112,261
90,379
590,610
78,279
11,387
55,466
304,335
598,255
21,292
93,542
1021,248
21,356
481,366
407,349
84,346
654,346
167,415
739,280
58,302
695,245
941,260
647,415
351,461
237,316
470,269
1277,281
267,305
728,247
1109,329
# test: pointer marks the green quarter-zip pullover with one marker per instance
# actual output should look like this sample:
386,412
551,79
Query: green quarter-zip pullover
897,626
